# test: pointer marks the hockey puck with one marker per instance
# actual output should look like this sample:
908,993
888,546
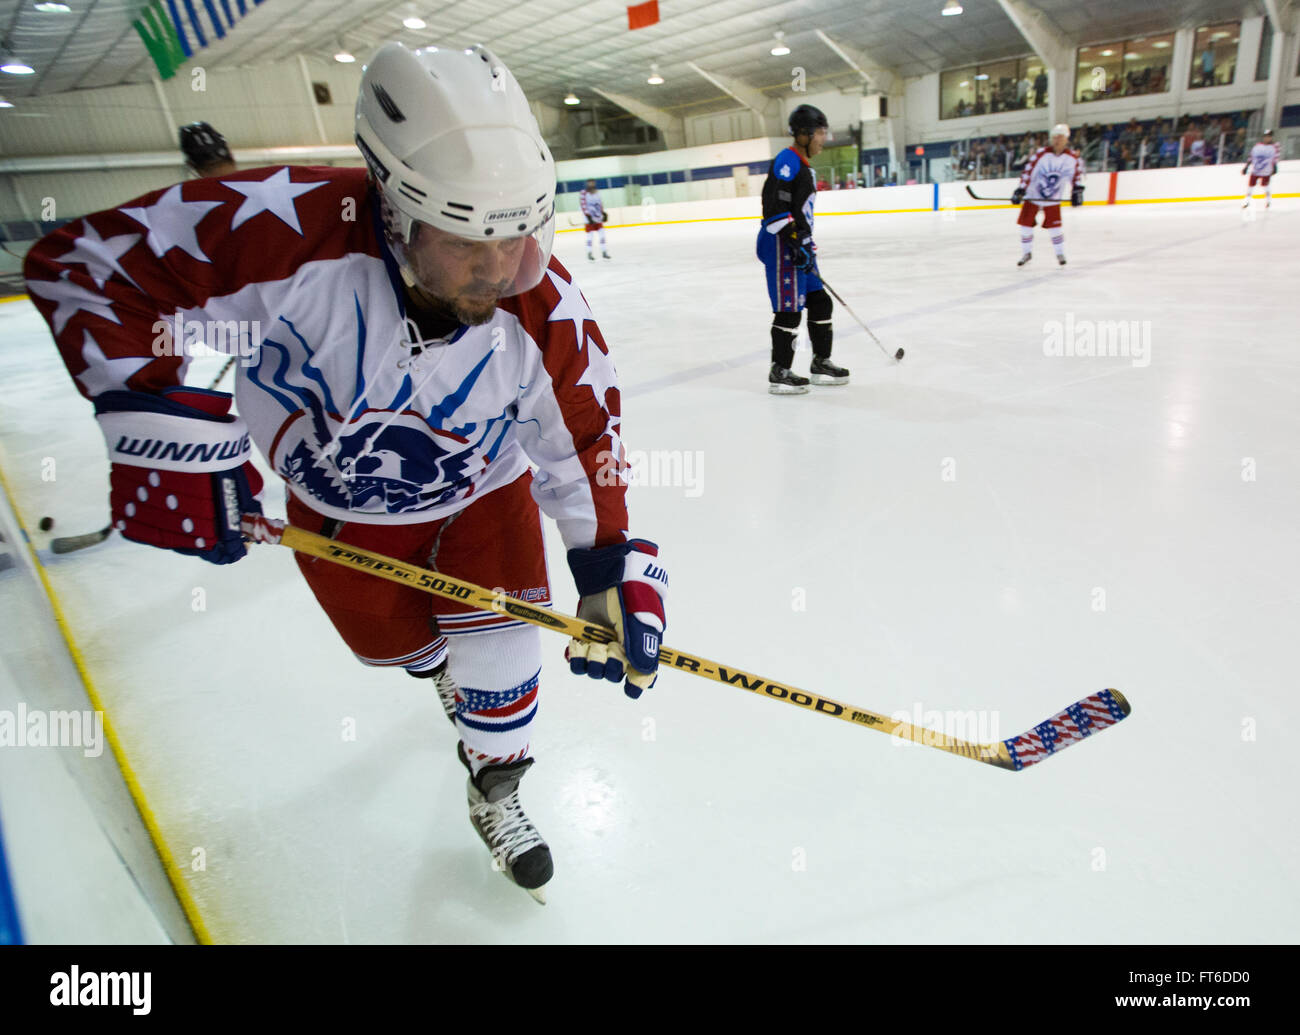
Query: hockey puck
898,354
46,523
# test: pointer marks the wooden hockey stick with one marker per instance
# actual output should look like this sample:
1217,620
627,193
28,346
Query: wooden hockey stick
1076,722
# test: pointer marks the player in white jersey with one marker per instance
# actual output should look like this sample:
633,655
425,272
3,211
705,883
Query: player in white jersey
416,352
594,209
1041,185
1261,164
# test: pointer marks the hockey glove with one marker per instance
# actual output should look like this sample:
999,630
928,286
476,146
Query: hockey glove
1076,196
1018,195
180,475
1245,169
622,586
803,254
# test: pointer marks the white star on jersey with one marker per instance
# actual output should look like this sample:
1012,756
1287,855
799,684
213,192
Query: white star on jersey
103,374
72,298
571,306
171,221
275,194
784,172
600,373
100,256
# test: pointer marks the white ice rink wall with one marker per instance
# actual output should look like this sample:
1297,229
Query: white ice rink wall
82,855
1204,183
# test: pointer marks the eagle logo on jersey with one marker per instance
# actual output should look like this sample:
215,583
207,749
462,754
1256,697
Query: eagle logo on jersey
390,475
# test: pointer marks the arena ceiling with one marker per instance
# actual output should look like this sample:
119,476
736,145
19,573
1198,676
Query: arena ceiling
557,46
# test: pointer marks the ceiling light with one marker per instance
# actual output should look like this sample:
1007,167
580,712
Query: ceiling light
1107,53
982,76
655,78
780,49
1161,44
1131,57
4,103
951,8
52,8
345,57
15,67
572,98
1217,35
413,22
964,82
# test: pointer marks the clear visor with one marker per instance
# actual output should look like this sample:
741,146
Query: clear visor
448,265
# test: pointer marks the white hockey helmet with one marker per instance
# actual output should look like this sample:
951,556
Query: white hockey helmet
1061,130
451,142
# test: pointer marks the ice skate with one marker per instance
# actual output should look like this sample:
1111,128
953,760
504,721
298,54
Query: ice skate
824,372
444,685
781,381
1061,259
606,254
1025,258
591,256
517,848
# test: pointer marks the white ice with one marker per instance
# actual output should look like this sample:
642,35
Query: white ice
983,528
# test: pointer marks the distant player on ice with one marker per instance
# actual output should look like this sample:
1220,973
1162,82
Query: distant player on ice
1041,185
594,211
1261,164
418,351
785,247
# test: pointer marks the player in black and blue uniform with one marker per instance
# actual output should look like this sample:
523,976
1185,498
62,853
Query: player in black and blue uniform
786,248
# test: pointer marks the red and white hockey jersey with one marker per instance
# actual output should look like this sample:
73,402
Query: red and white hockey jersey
592,207
1264,159
1047,175
357,425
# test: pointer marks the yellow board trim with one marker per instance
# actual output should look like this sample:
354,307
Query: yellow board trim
170,868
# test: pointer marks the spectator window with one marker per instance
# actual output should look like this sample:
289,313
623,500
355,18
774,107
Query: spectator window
1265,60
1214,55
1124,68
1011,85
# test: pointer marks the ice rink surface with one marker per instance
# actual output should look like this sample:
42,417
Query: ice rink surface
986,532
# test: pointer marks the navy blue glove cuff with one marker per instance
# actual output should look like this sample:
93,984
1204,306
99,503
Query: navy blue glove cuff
598,568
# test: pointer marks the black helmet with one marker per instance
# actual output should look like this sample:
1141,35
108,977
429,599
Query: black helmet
807,119
203,145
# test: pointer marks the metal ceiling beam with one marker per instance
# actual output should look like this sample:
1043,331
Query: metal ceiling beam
1282,14
745,94
1048,43
672,127
876,76
1055,50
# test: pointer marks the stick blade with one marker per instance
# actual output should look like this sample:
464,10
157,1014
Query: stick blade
1064,729
69,543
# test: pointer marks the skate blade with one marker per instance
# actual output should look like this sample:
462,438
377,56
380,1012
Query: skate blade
538,894
827,379
787,389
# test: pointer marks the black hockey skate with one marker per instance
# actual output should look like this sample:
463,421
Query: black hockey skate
1025,258
824,372
606,254
517,848
781,381
1061,259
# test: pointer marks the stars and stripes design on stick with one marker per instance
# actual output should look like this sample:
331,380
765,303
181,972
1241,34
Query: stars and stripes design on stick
1079,720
